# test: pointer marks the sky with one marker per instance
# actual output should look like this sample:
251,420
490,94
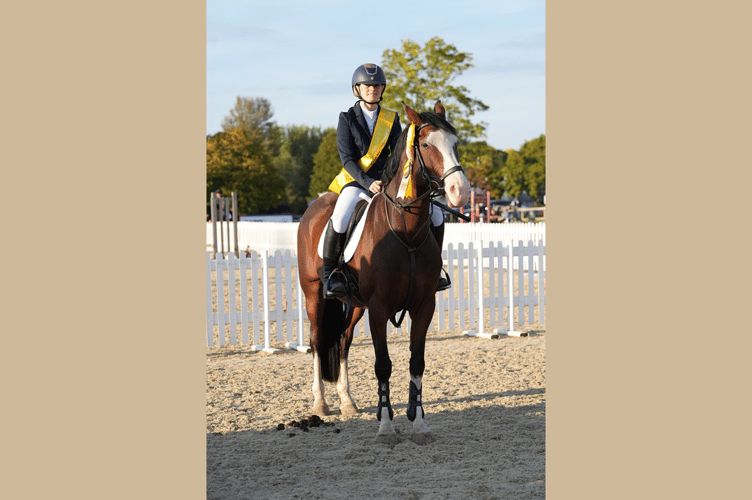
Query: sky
300,55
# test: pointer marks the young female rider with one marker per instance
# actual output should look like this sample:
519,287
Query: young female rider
366,135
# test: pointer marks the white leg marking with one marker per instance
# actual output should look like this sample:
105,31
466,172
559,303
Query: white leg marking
417,380
346,403
386,428
318,384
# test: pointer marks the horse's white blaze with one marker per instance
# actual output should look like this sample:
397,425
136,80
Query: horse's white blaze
456,185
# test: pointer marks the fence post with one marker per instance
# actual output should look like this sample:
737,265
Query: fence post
510,287
213,211
267,347
234,222
481,316
209,303
300,344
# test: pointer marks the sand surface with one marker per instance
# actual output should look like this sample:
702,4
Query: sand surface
484,401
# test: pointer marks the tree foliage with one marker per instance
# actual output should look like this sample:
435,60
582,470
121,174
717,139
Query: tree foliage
295,163
237,161
326,164
480,162
254,115
523,170
420,76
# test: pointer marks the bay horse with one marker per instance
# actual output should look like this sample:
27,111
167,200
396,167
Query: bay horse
396,265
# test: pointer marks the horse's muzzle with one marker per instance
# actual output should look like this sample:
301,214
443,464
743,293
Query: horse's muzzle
456,187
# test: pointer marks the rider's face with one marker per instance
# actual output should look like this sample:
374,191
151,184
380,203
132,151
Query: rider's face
370,93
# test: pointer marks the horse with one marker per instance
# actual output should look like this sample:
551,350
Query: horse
396,266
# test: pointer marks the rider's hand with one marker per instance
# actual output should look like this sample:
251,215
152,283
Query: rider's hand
375,187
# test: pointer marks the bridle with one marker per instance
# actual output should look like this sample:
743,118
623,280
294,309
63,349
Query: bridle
435,188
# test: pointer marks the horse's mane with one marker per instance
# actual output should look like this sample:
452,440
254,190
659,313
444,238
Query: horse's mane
393,163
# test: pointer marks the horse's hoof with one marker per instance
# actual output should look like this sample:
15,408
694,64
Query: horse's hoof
422,438
348,409
321,410
389,439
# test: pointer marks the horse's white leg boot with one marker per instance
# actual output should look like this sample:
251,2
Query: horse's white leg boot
346,403
421,434
319,402
384,413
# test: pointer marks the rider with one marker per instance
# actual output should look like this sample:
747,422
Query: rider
366,135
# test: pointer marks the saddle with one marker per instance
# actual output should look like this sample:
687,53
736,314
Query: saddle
352,238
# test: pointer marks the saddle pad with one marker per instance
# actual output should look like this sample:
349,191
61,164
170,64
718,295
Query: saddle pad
352,243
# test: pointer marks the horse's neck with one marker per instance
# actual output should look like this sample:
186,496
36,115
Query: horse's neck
412,218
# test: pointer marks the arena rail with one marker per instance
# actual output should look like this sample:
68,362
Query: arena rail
256,299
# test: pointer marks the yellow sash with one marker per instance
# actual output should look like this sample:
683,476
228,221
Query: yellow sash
380,135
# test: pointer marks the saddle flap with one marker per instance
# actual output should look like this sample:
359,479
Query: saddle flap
354,231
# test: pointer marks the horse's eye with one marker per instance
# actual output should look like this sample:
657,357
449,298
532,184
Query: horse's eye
425,145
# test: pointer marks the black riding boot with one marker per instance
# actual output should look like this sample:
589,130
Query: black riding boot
333,286
438,234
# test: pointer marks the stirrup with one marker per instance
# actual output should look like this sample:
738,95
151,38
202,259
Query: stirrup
334,288
444,282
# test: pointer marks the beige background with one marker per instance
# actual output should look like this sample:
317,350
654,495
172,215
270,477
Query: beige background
647,109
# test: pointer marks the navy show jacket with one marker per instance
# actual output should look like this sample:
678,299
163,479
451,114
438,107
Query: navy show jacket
353,141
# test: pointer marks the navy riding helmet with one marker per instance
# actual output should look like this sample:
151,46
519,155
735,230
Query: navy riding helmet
368,74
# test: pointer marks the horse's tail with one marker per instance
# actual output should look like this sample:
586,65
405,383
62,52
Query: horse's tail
329,344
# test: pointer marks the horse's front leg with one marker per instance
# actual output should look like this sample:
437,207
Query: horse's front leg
346,403
383,367
415,413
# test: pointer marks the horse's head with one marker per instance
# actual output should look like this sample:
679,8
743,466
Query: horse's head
436,150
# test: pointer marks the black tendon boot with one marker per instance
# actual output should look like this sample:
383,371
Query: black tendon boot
333,285
438,233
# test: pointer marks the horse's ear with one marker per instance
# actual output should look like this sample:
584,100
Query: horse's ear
439,108
411,114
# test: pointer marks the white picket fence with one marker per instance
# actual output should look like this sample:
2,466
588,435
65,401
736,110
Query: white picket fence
257,299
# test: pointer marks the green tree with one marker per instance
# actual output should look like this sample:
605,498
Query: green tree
295,163
480,162
237,161
524,170
420,76
534,154
254,115
326,164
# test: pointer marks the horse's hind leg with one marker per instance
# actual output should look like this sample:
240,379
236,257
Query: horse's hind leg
315,312
346,403
415,413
